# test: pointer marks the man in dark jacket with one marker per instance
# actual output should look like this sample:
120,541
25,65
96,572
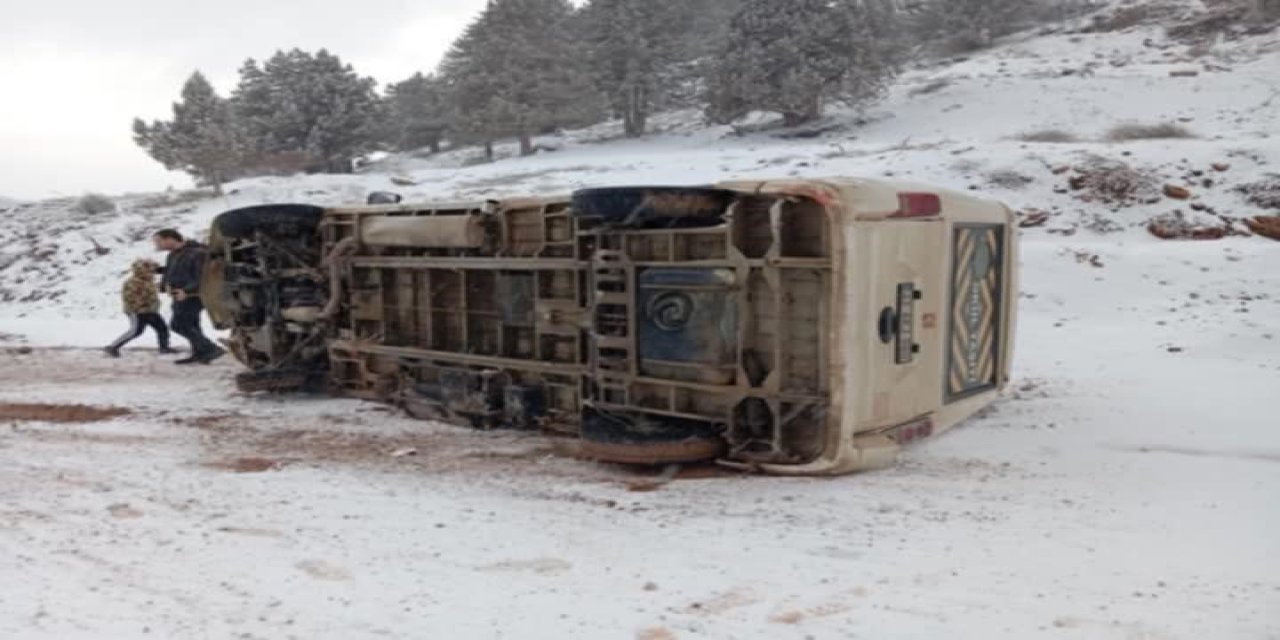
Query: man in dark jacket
182,272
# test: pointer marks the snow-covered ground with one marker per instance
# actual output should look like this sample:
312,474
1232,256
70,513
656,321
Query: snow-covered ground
1128,488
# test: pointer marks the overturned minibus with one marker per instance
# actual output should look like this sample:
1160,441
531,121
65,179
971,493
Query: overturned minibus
807,327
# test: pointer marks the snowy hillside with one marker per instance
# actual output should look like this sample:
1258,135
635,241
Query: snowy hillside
1127,487
956,125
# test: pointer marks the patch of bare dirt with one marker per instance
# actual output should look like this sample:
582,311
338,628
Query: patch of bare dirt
1177,226
60,413
437,450
246,465
124,511
214,421
796,616
1266,226
241,444
655,633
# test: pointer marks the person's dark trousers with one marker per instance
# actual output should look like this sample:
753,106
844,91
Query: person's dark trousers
186,323
138,323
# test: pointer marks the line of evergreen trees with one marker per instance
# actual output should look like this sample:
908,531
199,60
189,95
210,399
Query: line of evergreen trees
296,111
526,67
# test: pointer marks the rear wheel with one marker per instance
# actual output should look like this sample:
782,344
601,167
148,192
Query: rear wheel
633,439
653,207
285,220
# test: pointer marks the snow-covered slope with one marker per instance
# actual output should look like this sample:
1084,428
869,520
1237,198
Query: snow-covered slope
1126,489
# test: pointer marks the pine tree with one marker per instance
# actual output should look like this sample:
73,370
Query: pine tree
965,25
633,46
794,56
517,71
704,26
313,106
417,113
202,138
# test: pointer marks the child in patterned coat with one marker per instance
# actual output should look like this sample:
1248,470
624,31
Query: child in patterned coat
142,305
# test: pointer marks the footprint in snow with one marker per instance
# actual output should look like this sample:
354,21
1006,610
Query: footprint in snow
542,566
321,570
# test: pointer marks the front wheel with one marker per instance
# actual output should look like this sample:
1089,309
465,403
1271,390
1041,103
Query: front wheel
276,220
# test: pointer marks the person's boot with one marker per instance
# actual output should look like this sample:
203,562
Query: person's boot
193,359
168,351
112,351
213,354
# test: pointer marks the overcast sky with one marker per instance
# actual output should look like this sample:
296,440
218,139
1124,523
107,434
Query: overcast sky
74,73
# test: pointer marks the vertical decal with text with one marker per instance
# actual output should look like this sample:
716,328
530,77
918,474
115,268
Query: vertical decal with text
977,305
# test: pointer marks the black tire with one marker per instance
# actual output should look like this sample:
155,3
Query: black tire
653,207
648,440
275,219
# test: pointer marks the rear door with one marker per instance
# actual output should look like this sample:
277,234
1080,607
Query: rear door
908,293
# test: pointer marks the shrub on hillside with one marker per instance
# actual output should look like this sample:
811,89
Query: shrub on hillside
1009,179
1227,19
1264,193
1049,11
932,87
173,198
1128,17
285,163
1049,136
960,26
94,204
1112,182
1176,225
1138,131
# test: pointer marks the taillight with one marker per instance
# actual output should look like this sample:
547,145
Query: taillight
918,205
912,431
